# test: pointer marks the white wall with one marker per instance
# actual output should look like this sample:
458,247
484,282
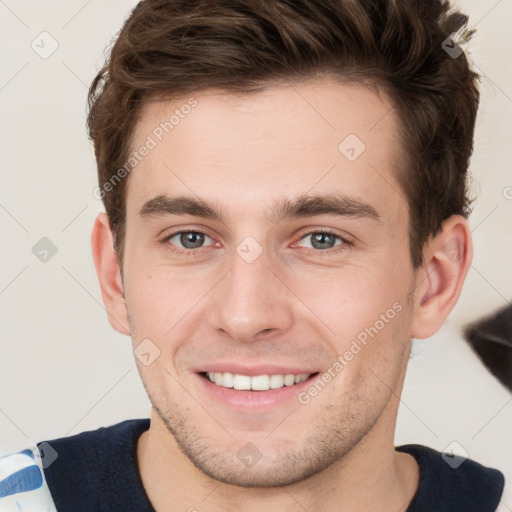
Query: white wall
64,370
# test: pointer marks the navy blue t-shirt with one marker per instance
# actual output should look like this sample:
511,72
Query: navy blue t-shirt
97,471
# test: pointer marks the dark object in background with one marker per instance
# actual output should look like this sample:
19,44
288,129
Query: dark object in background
491,339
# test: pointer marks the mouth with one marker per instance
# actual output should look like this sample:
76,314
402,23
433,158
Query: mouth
260,383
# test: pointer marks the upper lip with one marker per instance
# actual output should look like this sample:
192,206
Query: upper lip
253,370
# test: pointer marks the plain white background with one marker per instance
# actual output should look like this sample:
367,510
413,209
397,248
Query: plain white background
63,369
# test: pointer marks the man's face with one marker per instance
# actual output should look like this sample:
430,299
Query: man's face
263,293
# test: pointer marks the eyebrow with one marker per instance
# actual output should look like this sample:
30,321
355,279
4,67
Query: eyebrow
302,206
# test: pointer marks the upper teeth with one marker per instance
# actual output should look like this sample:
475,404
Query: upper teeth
256,383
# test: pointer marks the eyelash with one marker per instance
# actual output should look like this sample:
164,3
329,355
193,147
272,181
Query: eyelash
326,252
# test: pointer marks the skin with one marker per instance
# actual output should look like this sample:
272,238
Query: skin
295,304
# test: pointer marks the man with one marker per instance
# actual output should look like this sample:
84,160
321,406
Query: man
285,194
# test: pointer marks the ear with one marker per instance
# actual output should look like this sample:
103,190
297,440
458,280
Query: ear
447,258
109,274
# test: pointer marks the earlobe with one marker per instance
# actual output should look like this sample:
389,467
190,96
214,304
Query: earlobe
439,283
109,274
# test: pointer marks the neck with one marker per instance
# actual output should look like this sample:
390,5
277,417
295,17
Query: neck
372,476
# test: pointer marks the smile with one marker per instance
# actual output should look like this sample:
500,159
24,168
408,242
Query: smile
256,382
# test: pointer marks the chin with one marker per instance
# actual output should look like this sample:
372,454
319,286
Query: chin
261,472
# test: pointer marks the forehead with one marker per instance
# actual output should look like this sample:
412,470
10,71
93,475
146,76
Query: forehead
283,141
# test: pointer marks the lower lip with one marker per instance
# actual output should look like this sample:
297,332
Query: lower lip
253,400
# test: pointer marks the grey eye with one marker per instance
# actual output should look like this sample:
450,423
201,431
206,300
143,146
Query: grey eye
189,239
320,240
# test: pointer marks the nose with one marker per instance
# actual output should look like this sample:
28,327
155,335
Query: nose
251,301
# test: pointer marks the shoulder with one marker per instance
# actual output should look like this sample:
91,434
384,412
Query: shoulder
22,482
70,473
94,469
453,483
92,440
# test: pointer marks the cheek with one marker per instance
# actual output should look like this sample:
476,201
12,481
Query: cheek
371,357
161,300
350,300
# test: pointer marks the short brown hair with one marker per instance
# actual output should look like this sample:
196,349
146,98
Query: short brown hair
178,47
